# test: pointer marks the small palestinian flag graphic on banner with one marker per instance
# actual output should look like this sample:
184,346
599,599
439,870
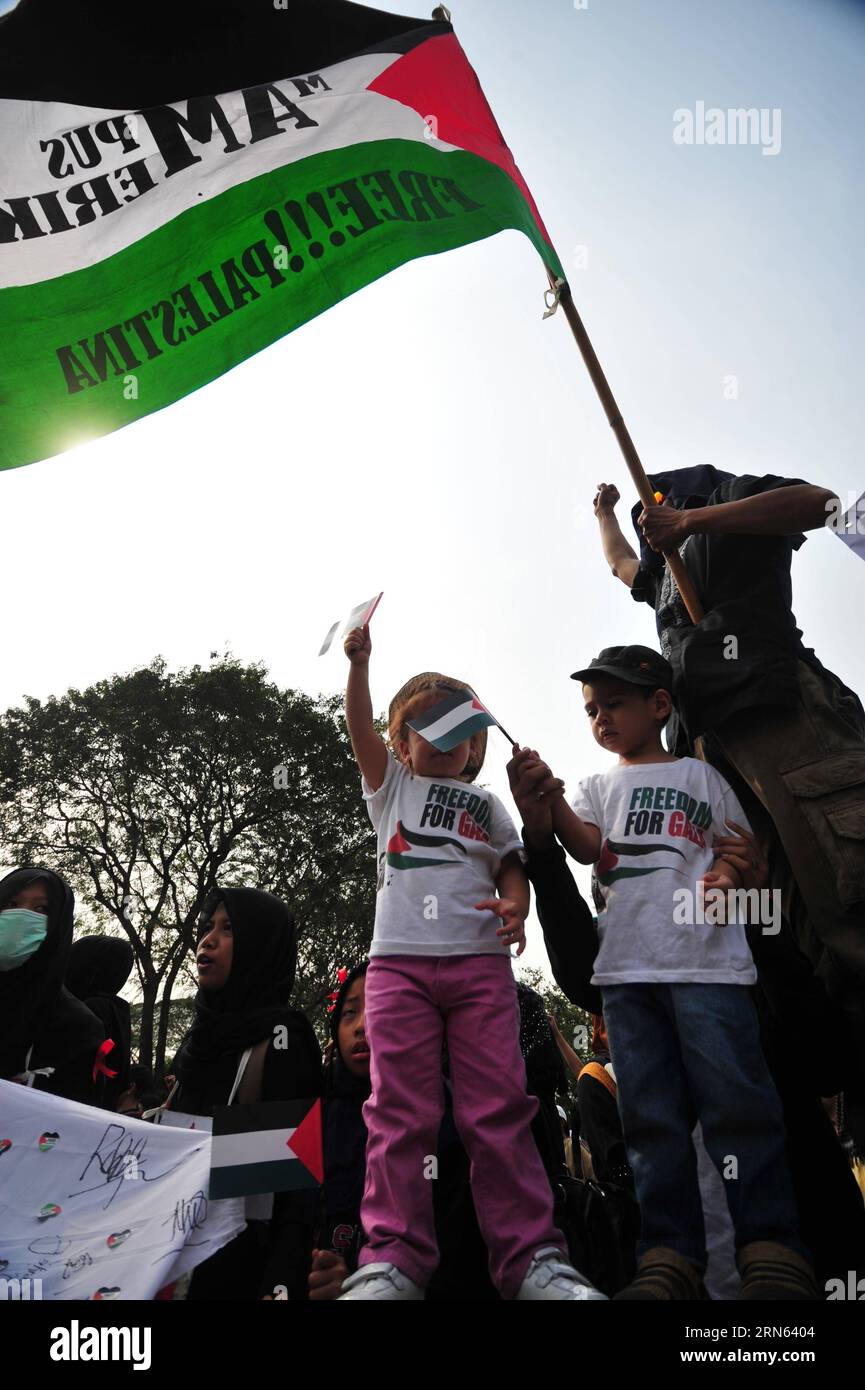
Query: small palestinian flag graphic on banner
402,842
452,719
274,1146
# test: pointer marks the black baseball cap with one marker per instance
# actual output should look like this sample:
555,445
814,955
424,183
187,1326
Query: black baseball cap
636,665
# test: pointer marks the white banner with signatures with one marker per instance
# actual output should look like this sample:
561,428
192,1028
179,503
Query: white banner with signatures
95,1205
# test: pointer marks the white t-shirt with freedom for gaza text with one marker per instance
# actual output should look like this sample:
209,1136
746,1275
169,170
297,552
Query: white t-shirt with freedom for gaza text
658,822
440,845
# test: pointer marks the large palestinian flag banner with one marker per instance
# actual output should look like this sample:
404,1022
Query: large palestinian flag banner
181,185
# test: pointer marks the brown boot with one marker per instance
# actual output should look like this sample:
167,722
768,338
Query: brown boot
664,1274
775,1273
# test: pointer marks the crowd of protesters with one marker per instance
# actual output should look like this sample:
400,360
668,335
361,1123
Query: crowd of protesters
716,1131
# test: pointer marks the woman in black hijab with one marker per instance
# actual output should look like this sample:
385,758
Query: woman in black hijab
246,958
48,1039
99,967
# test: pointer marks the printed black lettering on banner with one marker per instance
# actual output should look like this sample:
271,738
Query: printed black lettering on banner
311,229
270,111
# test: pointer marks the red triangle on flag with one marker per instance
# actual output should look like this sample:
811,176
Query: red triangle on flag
306,1143
397,844
476,704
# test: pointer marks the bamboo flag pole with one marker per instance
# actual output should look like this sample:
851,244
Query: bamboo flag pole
561,291
563,296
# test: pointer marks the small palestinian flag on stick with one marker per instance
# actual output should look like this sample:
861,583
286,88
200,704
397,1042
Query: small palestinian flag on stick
358,617
452,719
271,1147
851,527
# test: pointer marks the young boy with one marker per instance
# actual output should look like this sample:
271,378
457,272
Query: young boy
682,1026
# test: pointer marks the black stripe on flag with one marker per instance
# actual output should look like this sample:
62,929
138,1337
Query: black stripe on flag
247,1119
105,53
440,709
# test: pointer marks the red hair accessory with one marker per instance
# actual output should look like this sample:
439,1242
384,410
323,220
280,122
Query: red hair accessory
342,976
99,1065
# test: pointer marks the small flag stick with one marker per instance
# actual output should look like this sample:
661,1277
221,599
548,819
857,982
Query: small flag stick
499,726
626,444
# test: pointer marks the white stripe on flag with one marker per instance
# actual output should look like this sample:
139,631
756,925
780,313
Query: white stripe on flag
360,616
344,115
253,1146
449,721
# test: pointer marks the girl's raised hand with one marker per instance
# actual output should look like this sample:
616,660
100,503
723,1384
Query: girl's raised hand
357,646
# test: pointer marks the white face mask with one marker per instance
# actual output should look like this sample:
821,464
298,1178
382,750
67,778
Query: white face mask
21,934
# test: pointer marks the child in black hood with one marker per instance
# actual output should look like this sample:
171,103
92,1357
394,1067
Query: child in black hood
99,967
48,1039
246,958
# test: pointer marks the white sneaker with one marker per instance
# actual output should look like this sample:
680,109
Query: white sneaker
382,1281
550,1276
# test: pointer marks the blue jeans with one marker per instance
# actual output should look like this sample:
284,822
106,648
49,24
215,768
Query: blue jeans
688,1052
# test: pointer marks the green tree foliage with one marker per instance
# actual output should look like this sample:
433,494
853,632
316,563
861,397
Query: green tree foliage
147,789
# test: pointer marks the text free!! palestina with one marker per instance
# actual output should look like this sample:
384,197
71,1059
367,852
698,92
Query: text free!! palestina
363,203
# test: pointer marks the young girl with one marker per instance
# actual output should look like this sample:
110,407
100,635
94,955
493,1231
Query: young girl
440,967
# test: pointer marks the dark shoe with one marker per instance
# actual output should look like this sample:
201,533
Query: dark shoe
664,1275
775,1273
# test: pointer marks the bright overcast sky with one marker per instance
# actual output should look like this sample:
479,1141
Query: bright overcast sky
434,438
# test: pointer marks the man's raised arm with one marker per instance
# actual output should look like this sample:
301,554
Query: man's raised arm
618,554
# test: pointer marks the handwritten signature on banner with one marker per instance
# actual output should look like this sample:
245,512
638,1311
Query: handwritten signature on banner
109,1210
119,1157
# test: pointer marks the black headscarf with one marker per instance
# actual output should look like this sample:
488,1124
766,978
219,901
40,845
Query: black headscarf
99,967
35,1008
254,999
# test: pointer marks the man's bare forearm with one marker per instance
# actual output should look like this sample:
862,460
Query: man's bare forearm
574,1063
781,512
618,554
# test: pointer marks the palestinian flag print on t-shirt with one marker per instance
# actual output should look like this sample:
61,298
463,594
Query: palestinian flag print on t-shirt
403,843
162,221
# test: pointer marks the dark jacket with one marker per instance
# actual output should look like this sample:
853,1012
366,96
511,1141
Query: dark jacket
38,1012
744,585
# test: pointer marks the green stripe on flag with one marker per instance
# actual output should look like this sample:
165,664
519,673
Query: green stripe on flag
200,294
245,1179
